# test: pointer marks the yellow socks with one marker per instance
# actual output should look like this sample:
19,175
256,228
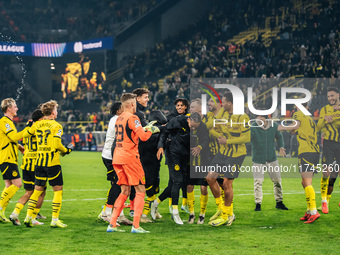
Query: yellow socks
56,204
191,202
32,202
324,188
219,202
204,202
18,208
184,201
6,195
147,204
226,212
170,201
310,198
35,213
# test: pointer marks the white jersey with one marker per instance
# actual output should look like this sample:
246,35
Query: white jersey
110,136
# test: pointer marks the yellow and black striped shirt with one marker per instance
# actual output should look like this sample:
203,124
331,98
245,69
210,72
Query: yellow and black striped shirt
215,132
237,132
331,131
9,138
306,133
29,158
48,137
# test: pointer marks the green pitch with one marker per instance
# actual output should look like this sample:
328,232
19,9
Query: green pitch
268,231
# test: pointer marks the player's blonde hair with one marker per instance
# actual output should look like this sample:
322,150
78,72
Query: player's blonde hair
127,96
48,107
7,103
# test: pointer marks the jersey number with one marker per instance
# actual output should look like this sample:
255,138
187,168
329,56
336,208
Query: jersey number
41,136
32,144
119,133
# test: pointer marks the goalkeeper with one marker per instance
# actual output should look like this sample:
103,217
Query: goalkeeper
48,133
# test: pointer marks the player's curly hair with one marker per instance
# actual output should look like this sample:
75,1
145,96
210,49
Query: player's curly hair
7,103
48,107
115,107
37,114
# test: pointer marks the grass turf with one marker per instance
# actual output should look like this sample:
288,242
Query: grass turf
268,231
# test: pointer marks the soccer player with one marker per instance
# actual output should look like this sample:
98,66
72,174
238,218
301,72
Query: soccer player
216,112
142,98
178,157
308,153
263,135
151,165
200,155
48,133
114,191
28,166
9,138
236,133
329,117
126,162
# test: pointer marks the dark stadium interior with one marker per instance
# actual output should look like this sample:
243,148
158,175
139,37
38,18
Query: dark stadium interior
156,49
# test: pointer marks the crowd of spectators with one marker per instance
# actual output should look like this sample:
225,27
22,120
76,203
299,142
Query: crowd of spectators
55,20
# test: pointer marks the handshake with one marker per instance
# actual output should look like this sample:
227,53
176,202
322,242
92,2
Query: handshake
69,148
150,127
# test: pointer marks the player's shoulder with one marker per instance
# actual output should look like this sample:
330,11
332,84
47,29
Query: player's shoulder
6,124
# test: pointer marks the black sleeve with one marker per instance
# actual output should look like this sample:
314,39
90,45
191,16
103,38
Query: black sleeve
203,136
162,138
141,118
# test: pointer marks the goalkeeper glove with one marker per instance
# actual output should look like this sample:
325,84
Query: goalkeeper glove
150,127
29,123
69,148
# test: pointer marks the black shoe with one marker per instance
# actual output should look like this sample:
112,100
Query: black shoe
281,206
258,207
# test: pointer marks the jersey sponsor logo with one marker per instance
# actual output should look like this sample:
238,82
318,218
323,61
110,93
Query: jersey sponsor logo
137,124
8,127
177,167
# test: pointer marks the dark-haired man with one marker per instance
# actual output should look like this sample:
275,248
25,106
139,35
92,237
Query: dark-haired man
236,133
308,152
28,174
329,123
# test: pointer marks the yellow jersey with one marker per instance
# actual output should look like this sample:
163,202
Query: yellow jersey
306,134
330,130
48,137
237,132
29,158
9,138
215,132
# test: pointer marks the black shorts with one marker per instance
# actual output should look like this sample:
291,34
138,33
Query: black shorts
198,181
52,174
28,179
330,152
227,167
111,173
9,171
308,162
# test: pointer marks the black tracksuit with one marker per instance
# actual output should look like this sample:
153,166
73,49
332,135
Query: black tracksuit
177,149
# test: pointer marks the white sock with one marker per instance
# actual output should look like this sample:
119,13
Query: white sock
175,211
121,213
108,211
156,202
